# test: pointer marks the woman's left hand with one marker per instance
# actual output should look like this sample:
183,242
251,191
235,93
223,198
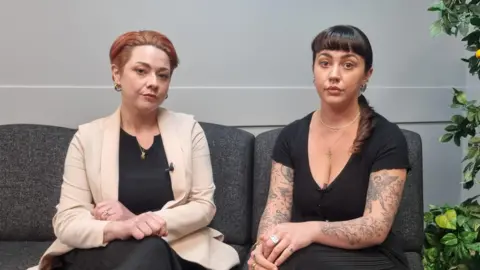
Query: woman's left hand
112,210
288,237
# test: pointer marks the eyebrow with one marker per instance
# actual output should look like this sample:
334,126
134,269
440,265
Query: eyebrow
147,65
343,56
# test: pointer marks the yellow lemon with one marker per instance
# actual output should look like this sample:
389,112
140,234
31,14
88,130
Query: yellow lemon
477,54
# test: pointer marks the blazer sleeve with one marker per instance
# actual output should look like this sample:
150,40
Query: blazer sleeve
73,223
200,208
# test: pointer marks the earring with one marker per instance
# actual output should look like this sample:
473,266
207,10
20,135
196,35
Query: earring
363,88
166,96
117,87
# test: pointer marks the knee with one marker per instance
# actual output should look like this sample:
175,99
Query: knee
154,243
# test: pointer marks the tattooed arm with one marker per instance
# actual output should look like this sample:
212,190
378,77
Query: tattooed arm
383,198
279,203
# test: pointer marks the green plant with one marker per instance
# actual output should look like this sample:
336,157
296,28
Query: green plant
452,232
451,236
463,17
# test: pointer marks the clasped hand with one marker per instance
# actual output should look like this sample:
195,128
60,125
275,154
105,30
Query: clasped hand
279,243
126,224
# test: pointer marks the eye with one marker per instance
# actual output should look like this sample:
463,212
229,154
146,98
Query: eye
163,76
140,71
349,65
323,63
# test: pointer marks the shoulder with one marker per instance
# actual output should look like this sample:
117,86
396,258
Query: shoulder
388,145
292,130
92,129
289,138
179,116
386,132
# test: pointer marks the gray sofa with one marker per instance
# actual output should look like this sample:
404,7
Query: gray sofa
31,166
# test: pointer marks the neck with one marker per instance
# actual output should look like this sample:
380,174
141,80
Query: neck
137,122
337,117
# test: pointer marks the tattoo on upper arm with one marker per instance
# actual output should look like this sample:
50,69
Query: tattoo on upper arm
385,190
279,203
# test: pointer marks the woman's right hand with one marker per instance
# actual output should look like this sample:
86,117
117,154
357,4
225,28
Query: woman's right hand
258,261
141,226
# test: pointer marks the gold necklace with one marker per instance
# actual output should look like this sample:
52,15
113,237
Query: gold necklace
329,152
342,127
142,150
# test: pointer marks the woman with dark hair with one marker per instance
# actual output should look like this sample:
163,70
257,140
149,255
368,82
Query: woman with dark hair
337,174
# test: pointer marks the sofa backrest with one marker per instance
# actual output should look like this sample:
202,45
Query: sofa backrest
231,151
409,221
31,167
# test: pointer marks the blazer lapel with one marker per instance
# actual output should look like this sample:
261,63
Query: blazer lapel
109,160
174,153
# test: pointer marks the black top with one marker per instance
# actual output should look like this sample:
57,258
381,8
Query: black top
344,199
144,184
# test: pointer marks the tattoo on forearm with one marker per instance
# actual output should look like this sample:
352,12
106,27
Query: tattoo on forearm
279,203
384,191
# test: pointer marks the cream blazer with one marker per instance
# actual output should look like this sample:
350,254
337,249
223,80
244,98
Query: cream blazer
91,176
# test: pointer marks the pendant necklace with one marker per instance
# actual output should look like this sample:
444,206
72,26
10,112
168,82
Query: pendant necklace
142,150
336,129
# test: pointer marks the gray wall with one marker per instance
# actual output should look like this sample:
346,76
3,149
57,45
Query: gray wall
250,57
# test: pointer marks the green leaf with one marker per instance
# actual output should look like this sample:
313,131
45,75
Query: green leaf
475,9
428,217
436,28
471,116
457,119
474,223
463,28
475,21
451,128
473,208
432,239
451,215
474,140
447,220
461,98
468,237
474,247
449,239
471,153
470,201
437,6
431,254
446,137
461,219
456,139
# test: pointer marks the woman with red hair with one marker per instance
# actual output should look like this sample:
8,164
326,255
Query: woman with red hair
138,188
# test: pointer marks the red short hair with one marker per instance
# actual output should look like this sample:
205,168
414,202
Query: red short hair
122,47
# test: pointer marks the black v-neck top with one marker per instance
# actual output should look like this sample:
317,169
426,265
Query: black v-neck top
344,199
144,184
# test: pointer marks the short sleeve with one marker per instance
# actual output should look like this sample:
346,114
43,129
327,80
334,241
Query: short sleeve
282,151
393,152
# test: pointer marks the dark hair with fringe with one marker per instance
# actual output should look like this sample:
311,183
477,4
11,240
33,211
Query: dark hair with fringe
350,39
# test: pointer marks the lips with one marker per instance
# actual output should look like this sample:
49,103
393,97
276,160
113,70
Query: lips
150,95
333,88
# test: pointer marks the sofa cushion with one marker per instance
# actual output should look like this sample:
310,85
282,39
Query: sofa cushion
231,152
409,221
31,168
21,254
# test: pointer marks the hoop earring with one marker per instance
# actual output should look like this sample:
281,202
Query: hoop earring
166,96
117,87
363,88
